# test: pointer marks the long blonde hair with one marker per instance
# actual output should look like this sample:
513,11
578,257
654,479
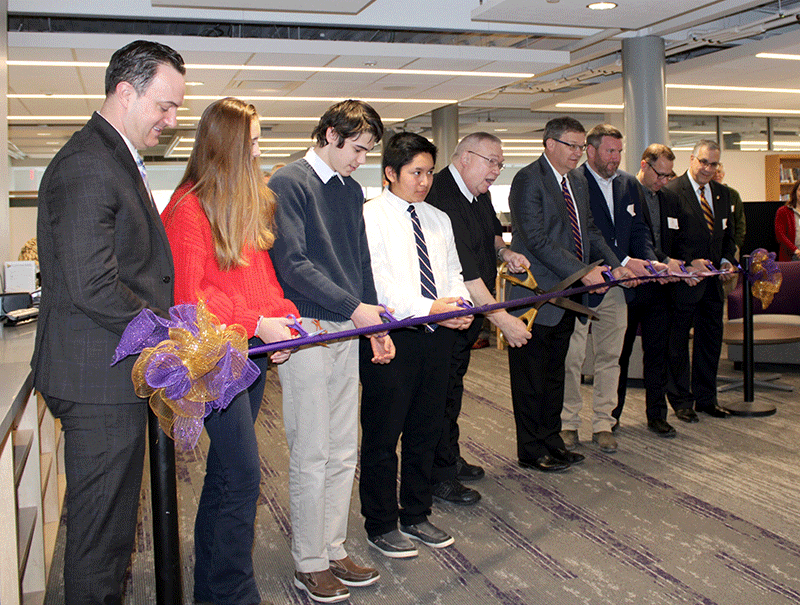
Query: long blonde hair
227,180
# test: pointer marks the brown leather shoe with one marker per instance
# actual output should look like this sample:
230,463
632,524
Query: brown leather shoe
321,586
351,574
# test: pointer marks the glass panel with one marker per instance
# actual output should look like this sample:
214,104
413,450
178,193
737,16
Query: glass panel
744,134
786,134
685,131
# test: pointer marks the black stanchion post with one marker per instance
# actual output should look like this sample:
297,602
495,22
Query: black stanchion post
748,363
166,545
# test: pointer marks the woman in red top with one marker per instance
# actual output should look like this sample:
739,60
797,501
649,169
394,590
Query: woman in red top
786,220
220,227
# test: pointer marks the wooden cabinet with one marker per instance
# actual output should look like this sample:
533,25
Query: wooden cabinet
781,170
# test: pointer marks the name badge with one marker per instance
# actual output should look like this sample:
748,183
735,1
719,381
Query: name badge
672,222
630,209
724,223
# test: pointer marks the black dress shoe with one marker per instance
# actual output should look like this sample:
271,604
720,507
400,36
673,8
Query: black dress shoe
661,428
468,472
687,415
564,455
546,464
714,411
452,491
615,426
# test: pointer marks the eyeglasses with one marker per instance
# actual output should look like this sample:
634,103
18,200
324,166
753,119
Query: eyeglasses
661,175
573,146
706,164
492,162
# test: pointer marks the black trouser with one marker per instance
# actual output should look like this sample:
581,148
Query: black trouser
447,450
406,396
705,314
537,388
652,308
104,448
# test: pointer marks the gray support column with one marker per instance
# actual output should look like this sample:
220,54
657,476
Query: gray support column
5,217
643,84
445,133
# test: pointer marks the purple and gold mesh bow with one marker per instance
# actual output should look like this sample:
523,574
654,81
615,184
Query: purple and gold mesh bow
765,276
188,366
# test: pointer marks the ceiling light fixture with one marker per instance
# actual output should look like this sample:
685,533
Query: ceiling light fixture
709,110
601,6
791,91
296,68
244,98
786,57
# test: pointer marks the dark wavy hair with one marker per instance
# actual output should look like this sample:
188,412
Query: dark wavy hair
137,64
348,119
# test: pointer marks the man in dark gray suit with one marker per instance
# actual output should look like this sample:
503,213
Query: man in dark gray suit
553,229
104,257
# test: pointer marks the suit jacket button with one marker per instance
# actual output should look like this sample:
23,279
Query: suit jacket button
166,279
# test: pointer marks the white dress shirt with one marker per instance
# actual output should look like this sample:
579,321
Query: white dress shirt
324,172
395,263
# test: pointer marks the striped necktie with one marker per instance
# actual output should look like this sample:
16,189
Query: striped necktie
143,172
425,271
707,212
573,219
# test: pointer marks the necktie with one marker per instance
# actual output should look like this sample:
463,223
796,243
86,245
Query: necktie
573,219
707,212
143,172
425,271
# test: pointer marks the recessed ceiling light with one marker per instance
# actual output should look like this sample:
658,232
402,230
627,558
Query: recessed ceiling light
501,129
194,83
601,6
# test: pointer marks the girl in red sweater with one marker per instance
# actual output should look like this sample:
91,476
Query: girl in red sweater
786,220
220,227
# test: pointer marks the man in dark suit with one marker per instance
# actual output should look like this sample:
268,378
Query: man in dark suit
104,256
553,229
652,303
705,239
614,202
462,191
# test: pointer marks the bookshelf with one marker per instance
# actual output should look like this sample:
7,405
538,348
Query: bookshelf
781,170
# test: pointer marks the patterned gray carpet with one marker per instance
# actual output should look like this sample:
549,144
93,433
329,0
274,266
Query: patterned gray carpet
710,517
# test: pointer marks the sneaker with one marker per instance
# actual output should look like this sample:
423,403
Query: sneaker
351,574
322,586
393,544
427,533
453,491
605,440
570,439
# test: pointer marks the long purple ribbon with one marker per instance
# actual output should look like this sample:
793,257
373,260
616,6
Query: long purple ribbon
409,322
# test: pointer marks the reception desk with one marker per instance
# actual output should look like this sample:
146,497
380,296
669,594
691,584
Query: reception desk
31,474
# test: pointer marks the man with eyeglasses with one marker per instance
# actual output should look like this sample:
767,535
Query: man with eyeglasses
462,191
652,305
553,229
704,240
614,204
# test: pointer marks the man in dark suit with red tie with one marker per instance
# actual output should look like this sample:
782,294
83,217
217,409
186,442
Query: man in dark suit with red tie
704,240
104,256
553,229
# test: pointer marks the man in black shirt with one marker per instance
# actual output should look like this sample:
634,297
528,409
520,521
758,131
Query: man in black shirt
462,191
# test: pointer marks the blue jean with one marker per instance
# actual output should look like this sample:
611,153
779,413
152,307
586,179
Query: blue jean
224,525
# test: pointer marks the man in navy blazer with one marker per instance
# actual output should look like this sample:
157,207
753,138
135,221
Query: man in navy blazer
553,229
104,256
705,239
614,202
